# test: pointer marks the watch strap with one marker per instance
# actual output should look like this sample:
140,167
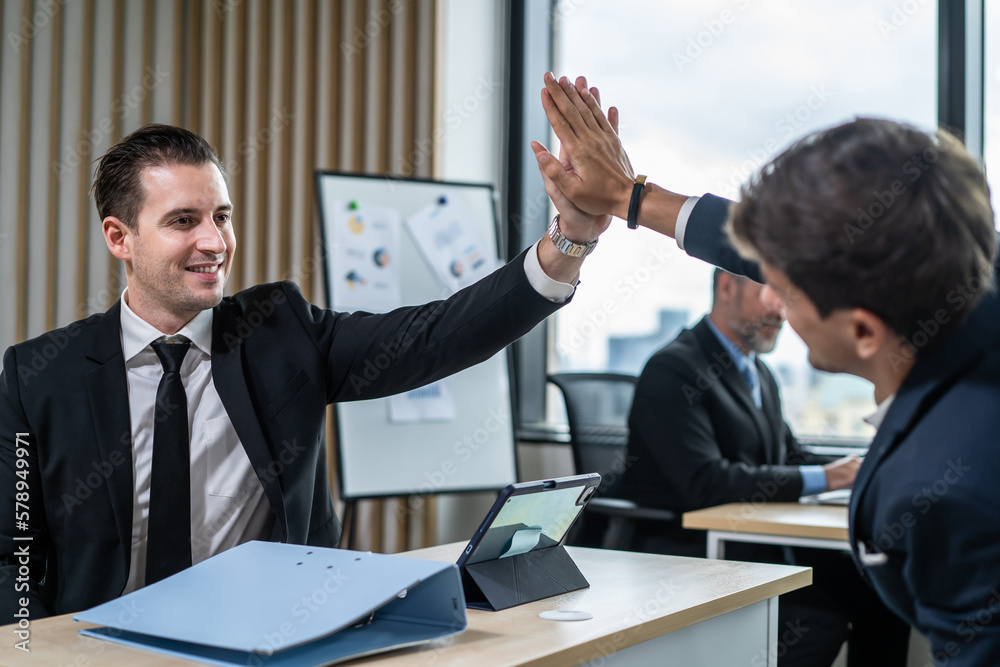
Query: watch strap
567,247
633,202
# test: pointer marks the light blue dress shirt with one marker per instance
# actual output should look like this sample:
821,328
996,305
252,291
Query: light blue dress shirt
813,477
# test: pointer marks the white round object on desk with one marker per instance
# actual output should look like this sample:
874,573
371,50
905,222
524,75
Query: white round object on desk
566,615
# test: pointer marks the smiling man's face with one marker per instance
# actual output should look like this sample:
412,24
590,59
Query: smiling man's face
181,252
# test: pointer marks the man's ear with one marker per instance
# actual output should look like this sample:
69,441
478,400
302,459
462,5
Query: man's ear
727,287
118,237
869,332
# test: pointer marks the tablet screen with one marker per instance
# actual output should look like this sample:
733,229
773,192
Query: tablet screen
530,521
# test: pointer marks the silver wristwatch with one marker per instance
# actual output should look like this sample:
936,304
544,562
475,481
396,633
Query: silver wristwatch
567,247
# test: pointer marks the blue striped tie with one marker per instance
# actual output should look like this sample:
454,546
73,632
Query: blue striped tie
750,374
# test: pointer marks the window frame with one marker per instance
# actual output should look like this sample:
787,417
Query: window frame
531,29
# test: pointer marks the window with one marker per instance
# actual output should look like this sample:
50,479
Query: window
991,99
708,93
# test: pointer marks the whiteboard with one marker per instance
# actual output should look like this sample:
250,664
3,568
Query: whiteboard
377,457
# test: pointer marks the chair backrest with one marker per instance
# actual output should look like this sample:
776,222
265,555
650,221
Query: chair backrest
597,407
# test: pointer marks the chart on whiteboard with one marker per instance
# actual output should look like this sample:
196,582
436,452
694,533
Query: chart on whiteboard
366,256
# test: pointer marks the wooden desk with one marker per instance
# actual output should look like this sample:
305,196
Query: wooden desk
646,607
792,524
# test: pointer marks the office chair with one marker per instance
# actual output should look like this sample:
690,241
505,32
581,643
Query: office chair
597,407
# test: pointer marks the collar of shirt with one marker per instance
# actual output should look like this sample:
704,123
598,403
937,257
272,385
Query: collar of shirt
876,418
137,334
741,360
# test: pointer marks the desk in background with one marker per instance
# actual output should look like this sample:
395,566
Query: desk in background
648,609
791,524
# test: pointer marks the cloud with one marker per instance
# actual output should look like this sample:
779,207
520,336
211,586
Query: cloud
755,63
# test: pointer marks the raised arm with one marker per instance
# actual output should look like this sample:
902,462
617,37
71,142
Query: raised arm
595,174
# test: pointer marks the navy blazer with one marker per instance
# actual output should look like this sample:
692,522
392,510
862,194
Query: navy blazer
277,361
925,510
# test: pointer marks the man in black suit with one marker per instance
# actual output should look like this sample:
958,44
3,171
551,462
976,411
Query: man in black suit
706,428
880,239
89,497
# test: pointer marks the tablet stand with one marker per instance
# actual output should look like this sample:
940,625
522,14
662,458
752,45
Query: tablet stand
506,582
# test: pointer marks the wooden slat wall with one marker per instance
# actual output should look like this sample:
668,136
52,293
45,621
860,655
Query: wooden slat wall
24,122
279,88
116,77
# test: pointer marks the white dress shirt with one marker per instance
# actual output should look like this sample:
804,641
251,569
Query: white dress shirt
876,418
228,506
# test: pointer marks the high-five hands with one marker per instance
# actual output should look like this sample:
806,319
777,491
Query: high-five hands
576,223
593,170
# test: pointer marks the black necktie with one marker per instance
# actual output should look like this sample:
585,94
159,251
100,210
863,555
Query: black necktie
168,544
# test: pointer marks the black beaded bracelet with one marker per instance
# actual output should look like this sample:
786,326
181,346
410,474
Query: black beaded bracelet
633,203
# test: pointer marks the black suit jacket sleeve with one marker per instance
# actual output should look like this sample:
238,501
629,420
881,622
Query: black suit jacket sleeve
800,457
690,448
375,355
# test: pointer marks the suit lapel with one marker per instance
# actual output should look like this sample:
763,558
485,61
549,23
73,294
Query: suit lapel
737,385
771,413
230,381
107,390
902,412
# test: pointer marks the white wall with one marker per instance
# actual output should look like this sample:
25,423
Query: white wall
467,136
471,102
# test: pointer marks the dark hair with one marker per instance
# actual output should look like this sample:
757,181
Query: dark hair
717,274
715,280
878,215
118,189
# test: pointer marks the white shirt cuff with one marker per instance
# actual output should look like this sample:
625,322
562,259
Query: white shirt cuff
682,220
553,290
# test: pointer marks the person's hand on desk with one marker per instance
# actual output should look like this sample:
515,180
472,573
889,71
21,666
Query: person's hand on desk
840,474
